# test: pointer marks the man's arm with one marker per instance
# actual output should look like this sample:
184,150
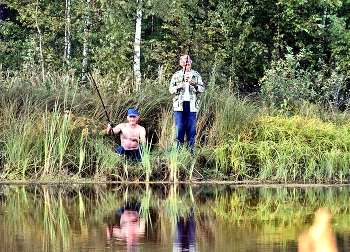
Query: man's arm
198,85
175,84
116,129
143,135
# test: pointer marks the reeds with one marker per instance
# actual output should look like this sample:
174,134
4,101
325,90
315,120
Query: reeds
60,134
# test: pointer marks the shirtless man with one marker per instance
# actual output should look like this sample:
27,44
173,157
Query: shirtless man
131,136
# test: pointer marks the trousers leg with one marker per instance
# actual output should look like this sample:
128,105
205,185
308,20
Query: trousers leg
139,151
191,118
180,126
120,150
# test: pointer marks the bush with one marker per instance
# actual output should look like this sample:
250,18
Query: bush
288,84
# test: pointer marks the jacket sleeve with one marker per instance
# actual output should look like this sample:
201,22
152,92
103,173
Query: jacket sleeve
173,84
200,84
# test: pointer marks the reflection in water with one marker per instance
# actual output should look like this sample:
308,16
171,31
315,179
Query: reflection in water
131,226
166,217
320,237
185,233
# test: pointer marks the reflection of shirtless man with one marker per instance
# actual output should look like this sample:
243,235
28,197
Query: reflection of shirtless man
131,135
131,228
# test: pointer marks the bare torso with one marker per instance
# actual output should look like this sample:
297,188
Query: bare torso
130,135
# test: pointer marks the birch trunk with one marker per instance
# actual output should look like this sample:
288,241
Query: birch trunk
323,26
67,47
40,42
137,47
85,45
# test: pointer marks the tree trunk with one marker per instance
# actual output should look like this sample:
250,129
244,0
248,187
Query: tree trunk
67,48
40,43
137,49
85,45
323,26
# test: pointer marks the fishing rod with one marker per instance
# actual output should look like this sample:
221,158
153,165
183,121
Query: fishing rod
189,46
104,107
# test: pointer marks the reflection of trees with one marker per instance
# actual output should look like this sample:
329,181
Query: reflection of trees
57,217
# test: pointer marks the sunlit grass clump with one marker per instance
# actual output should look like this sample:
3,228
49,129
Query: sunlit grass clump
296,148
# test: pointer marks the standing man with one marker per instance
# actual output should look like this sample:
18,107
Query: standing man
131,136
185,85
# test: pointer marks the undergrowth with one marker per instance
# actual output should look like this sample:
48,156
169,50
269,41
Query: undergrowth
57,131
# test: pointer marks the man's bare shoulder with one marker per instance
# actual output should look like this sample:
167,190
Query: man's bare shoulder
140,127
121,125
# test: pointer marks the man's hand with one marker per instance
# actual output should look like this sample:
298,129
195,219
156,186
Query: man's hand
180,85
193,83
109,129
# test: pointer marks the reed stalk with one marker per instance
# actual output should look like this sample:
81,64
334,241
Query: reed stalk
146,159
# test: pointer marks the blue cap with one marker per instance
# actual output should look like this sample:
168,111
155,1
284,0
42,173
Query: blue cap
133,112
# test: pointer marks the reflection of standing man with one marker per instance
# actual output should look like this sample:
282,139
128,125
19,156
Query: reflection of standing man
186,84
185,234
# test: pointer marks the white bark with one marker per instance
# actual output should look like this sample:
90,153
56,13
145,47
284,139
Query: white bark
323,26
40,43
137,48
85,45
67,37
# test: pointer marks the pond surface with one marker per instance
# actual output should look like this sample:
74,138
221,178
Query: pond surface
164,217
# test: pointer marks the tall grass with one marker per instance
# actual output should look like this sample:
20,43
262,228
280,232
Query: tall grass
59,133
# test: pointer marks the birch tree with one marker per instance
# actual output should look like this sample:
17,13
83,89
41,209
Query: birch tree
137,48
40,42
85,45
322,27
67,36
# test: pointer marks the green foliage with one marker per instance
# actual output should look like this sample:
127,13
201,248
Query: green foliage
236,137
238,39
288,149
287,84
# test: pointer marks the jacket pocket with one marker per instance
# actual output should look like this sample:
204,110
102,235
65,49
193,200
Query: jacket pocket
176,102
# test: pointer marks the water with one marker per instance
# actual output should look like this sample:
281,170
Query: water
165,217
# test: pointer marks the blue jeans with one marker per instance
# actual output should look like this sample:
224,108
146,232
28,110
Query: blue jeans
185,123
129,153
185,233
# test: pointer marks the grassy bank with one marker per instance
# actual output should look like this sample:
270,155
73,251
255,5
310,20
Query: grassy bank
56,131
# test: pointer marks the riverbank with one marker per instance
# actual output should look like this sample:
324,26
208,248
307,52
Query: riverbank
58,133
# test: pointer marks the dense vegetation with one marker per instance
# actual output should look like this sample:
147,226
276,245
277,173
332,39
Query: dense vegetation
60,132
238,40
275,106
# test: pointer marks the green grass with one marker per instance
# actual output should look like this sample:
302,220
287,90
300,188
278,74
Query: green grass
58,133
